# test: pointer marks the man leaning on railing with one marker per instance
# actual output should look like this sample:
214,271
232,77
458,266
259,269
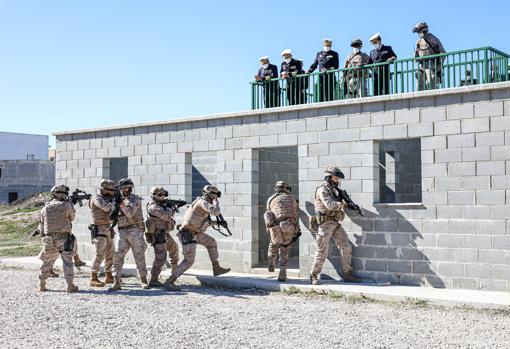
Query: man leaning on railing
429,71
268,71
381,54
296,86
355,76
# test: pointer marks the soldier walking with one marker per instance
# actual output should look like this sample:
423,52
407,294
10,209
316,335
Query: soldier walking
55,227
329,213
281,218
101,206
131,229
159,225
192,232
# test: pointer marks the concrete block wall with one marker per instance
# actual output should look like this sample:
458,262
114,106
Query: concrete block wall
458,236
25,177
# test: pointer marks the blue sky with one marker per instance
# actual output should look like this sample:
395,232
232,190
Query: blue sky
72,64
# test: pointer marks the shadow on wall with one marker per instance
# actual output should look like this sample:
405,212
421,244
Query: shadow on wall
198,182
384,250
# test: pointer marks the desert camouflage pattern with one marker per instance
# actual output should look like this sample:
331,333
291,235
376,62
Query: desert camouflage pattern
285,209
428,76
424,46
163,222
189,252
53,247
330,229
131,213
105,250
130,238
357,79
56,217
55,225
196,217
100,208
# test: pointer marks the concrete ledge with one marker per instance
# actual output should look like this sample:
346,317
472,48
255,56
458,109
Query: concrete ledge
393,293
338,103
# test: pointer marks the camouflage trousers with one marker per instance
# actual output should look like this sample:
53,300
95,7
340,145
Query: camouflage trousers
131,238
52,248
357,87
160,252
328,231
428,76
280,237
105,250
189,251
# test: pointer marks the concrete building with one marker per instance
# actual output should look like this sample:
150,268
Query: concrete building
431,170
24,165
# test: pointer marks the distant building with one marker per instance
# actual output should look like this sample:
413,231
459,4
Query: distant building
26,165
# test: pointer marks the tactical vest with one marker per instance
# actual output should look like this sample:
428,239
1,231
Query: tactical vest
56,220
159,224
195,216
98,216
137,216
319,205
284,207
423,48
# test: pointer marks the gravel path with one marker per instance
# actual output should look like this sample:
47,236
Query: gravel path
211,318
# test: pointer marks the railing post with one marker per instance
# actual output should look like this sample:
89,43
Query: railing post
486,66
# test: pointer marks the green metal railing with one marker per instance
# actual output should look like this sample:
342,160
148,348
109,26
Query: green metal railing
452,69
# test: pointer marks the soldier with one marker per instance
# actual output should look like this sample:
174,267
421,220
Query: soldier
296,87
355,79
281,218
159,224
268,71
192,232
101,205
55,227
381,54
329,214
429,72
131,229
326,60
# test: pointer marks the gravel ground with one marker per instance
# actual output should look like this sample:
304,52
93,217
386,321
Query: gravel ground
202,317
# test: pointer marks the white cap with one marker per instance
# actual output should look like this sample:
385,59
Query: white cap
375,36
264,58
287,52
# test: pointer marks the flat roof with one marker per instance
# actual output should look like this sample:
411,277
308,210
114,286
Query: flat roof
338,103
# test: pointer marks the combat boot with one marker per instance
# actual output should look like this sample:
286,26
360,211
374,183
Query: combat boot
109,278
116,286
53,274
282,276
155,282
270,267
78,262
95,282
71,288
217,270
314,280
348,277
42,286
144,283
170,284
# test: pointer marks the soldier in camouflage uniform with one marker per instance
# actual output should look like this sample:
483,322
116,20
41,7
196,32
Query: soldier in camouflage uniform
159,224
429,72
281,219
101,205
55,227
355,79
131,229
328,215
192,232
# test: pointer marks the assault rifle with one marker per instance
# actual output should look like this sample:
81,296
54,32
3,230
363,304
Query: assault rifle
114,215
78,196
174,204
342,196
221,223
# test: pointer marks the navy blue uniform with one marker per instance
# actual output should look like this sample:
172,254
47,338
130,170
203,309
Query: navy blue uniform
296,86
382,74
271,88
327,81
